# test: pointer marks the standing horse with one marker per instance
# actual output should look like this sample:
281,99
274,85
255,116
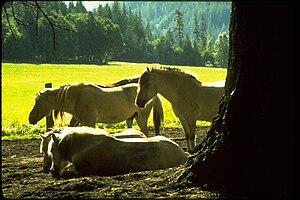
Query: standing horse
45,139
101,154
190,99
90,104
129,121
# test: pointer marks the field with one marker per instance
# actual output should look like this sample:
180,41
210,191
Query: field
21,166
21,82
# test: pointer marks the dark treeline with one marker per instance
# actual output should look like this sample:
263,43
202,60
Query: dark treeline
110,32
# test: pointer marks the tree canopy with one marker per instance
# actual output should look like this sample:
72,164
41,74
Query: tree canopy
53,32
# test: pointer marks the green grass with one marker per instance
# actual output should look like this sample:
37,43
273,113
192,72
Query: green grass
21,82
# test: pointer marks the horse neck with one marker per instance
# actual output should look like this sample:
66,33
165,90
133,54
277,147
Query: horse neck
167,85
65,145
51,98
64,100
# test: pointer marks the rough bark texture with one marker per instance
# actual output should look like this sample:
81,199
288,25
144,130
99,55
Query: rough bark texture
249,149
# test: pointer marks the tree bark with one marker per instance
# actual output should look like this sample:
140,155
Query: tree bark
249,148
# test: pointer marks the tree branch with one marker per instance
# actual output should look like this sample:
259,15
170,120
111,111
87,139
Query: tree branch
36,22
7,18
19,22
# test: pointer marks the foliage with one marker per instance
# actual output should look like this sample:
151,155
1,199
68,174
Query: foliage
21,82
115,32
221,50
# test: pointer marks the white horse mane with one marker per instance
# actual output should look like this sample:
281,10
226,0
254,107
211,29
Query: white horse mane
177,71
62,93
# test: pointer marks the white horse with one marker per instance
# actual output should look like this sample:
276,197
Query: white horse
191,99
100,154
45,139
90,104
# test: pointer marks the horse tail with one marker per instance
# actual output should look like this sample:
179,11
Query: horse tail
58,115
125,81
158,114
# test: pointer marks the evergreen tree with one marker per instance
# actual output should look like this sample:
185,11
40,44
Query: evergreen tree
179,26
97,40
79,7
189,54
148,32
203,32
221,50
196,32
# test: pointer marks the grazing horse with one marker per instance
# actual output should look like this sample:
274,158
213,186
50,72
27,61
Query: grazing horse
90,104
100,154
191,99
45,139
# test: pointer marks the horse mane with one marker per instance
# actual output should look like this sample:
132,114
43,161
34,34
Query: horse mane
62,95
176,71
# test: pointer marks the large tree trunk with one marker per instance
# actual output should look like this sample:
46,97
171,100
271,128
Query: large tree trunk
249,149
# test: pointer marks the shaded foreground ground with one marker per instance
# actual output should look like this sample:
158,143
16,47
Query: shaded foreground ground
22,177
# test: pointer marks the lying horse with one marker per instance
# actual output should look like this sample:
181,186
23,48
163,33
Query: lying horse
100,154
45,139
191,99
90,104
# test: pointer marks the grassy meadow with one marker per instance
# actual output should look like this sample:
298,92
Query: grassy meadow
21,82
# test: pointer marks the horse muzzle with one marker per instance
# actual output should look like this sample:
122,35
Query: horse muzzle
31,121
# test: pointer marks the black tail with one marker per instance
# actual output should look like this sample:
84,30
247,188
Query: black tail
58,114
158,114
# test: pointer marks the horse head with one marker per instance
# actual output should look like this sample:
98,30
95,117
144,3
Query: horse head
44,151
55,156
146,89
41,108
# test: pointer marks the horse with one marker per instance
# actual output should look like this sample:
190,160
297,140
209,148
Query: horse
105,155
129,121
45,139
190,98
90,104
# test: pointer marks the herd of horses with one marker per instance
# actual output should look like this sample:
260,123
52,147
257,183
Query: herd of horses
79,151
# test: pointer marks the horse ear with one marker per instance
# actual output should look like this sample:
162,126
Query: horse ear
148,70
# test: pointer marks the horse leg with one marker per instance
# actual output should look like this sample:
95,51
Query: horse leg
142,123
73,122
189,130
192,126
158,114
130,120
69,172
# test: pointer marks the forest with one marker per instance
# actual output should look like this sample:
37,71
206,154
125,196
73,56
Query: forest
166,33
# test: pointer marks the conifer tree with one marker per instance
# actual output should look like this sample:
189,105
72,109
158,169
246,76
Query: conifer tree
179,26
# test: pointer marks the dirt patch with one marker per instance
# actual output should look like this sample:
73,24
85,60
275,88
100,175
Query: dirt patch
22,177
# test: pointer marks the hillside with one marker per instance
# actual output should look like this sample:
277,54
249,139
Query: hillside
160,15
121,31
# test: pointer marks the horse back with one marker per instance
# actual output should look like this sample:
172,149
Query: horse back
208,101
129,155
